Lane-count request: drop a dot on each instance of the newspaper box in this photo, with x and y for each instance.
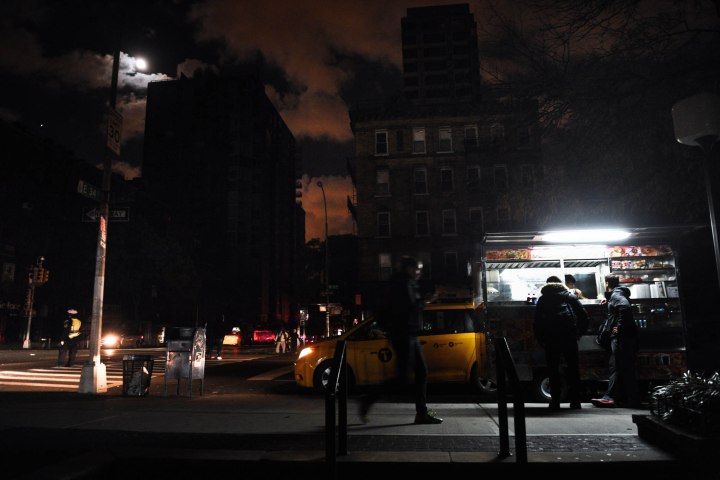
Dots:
(186, 357)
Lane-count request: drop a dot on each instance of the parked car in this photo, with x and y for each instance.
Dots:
(263, 336)
(453, 344)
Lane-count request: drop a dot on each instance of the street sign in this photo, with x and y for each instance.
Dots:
(115, 215)
(114, 131)
(90, 191)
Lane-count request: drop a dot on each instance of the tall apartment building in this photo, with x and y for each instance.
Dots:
(431, 177)
(220, 167)
(440, 53)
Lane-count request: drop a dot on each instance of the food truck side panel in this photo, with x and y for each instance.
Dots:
(505, 272)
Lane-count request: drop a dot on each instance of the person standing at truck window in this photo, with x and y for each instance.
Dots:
(622, 383)
(559, 322)
(572, 286)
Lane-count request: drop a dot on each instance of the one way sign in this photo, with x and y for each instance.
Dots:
(116, 214)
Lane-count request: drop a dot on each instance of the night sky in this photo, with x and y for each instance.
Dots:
(319, 58)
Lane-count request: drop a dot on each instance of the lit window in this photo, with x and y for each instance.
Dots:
(383, 181)
(385, 266)
(419, 140)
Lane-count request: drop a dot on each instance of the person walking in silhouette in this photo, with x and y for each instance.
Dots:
(403, 311)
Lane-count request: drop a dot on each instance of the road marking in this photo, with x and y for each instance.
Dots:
(273, 374)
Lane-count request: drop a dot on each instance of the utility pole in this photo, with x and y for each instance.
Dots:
(94, 374)
(327, 266)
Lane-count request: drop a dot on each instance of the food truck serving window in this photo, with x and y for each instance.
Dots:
(518, 274)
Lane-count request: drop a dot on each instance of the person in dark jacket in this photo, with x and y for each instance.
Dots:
(560, 320)
(622, 384)
(404, 306)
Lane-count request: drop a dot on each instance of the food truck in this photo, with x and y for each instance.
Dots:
(511, 268)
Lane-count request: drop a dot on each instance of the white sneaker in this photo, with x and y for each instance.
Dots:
(219, 357)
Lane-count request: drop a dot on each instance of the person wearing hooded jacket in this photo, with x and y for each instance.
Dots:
(622, 383)
(559, 322)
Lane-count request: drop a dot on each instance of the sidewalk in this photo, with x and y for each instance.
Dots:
(73, 436)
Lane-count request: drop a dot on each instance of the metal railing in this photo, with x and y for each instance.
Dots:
(506, 369)
(337, 389)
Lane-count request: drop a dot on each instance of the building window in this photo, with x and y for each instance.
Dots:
(419, 140)
(448, 222)
(385, 266)
(473, 179)
(383, 181)
(445, 140)
(400, 140)
(497, 133)
(446, 180)
(526, 176)
(450, 262)
(381, 142)
(383, 224)
(422, 224)
(424, 257)
(420, 181)
(471, 137)
(503, 218)
(476, 220)
(500, 175)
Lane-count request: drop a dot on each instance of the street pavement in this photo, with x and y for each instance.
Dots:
(81, 436)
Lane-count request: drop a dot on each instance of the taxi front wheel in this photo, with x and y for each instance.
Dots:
(321, 377)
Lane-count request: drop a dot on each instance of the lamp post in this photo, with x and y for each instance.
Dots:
(327, 268)
(697, 123)
(93, 378)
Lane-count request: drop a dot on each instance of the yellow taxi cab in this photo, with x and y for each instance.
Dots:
(452, 340)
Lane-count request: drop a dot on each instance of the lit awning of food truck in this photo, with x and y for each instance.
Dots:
(600, 235)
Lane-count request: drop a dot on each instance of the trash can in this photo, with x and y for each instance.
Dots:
(137, 372)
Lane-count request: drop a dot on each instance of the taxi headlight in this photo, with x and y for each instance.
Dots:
(305, 352)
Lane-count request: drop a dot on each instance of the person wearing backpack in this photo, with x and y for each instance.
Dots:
(559, 322)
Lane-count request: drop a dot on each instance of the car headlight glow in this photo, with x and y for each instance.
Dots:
(110, 340)
(305, 352)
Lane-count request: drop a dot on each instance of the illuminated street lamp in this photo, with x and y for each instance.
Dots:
(327, 268)
(697, 123)
(93, 378)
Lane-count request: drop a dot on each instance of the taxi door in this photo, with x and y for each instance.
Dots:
(370, 355)
(449, 342)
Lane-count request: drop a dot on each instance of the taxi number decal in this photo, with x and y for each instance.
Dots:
(385, 355)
